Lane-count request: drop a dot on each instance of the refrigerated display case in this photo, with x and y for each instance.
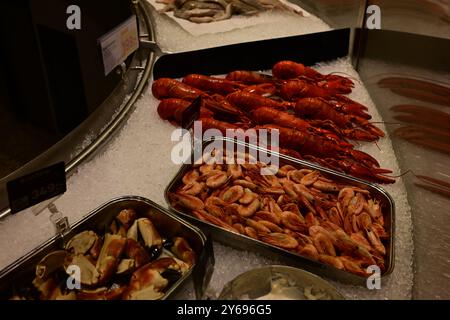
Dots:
(122, 146)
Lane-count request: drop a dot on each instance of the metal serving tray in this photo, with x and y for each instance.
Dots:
(257, 283)
(246, 243)
(22, 272)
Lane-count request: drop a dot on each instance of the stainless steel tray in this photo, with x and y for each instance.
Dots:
(242, 242)
(22, 272)
(257, 283)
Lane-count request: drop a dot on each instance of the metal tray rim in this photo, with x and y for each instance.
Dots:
(274, 267)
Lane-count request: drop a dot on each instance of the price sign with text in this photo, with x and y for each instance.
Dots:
(119, 43)
(29, 190)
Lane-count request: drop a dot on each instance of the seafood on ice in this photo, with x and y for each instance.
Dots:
(316, 120)
(204, 11)
(297, 209)
(131, 261)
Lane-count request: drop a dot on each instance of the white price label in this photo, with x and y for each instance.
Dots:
(119, 43)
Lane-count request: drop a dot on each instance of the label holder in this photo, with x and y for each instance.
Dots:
(34, 188)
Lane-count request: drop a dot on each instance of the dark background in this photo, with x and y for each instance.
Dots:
(51, 78)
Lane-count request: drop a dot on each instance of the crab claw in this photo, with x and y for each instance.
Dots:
(136, 252)
(149, 233)
(102, 293)
(183, 251)
(108, 259)
(126, 266)
(88, 272)
(50, 263)
(126, 217)
(96, 248)
(132, 232)
(46, 288)
(147, 282)
(82, 242)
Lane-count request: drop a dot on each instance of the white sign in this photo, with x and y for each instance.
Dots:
(119, 43)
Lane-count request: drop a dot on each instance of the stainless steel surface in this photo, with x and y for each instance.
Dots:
(426, 17)
(385, 54)
(246, 243)
(258, 282)
(86, 139)
(22, 271)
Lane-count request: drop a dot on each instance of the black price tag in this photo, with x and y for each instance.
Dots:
(204, 268)
(191, 114)
(29, 190)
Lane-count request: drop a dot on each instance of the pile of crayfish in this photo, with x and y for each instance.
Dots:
(298, 209)
(310, 110)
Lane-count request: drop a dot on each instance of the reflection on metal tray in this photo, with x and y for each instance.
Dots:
(279, 283)
(246, 243)
(22, 272)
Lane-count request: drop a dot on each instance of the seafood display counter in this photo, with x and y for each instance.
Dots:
(338, 205)
(255, 22)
